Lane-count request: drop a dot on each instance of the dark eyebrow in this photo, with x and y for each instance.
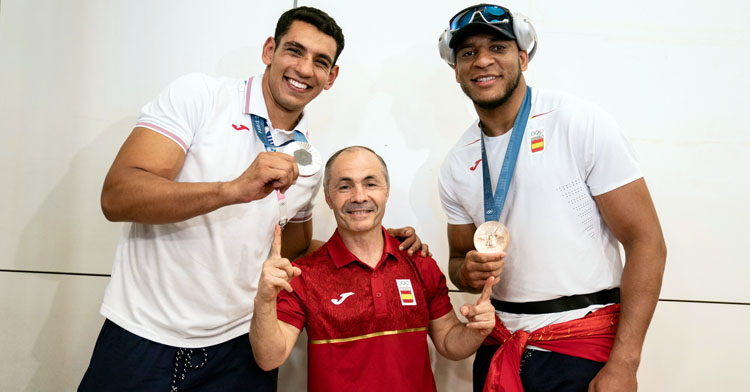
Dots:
(295, 44)
(503, 40)
(493, 41)
(463, 46)
(304, 49)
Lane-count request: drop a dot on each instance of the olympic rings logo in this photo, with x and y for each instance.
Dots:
(538, 132)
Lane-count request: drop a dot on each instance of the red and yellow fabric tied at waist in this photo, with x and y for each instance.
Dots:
(590, 337)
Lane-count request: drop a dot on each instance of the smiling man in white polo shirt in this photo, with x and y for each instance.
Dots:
(203, 186)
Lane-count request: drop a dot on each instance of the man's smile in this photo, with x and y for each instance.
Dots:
(296, 83)
(485, 80)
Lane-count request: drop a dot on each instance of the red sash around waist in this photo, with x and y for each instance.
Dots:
(590, 337)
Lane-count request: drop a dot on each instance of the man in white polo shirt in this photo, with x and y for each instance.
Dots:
(203, 186)
(558, 172)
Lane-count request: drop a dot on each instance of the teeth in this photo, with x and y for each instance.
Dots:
(486, 79)
(297, 84)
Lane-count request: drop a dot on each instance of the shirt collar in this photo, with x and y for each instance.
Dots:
(256, 104)
(341, 256)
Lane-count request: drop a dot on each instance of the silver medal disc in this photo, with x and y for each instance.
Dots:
(491, 237)
(307, 157)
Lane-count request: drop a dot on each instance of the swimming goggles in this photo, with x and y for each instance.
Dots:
(488, 12)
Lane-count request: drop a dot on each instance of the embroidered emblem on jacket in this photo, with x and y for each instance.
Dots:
(406, 292)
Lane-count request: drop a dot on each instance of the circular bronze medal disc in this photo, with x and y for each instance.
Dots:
(491, 237)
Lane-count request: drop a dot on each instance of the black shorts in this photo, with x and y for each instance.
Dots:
(123, 361)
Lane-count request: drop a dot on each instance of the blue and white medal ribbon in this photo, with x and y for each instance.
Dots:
(264, 134)
(492, 236)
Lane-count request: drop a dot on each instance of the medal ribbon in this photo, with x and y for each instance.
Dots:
(259, 124)
(493, 204)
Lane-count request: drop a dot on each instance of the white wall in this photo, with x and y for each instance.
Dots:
(74, 75)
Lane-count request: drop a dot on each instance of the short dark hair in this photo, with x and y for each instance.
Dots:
(315, 17)
(329, 163)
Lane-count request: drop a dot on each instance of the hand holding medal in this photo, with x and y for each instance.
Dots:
(305, 155)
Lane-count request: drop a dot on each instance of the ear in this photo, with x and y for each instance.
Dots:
(268, 48)
(523, 60)
(332, 77)
(455, 70)
(328, 199)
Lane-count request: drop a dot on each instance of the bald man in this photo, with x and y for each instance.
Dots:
(367, 306)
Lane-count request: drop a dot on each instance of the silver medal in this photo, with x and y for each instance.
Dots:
(307, 157)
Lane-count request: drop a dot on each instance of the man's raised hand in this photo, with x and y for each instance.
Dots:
(277, 272)
(481, 315)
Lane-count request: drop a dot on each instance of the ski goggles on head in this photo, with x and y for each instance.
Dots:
(488, 12)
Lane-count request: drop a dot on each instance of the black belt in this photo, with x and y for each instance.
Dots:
(561, 304)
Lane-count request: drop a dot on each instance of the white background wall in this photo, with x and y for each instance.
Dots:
(73, 76)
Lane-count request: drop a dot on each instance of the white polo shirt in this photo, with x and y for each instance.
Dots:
(559, 245)
(192, 283)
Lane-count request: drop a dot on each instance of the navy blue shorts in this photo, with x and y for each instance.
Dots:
(123, 361)
(542, 370)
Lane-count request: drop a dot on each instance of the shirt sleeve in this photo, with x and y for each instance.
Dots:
(179, 110)
(290, 307)
(306, 212)
(454, 210)
(436, 290)
(610, 161)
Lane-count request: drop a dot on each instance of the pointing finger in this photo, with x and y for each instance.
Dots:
(486, 290)
(276, 244)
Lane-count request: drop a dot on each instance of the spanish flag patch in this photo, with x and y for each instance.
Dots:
(406, 292)
(537, 143)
